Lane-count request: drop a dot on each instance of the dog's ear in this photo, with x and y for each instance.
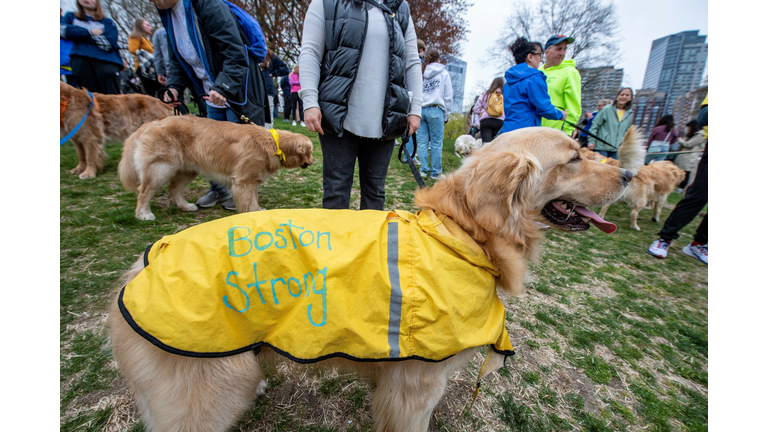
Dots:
(498, 194)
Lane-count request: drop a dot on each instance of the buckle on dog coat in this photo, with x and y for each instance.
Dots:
(315, 284)
(279, 153)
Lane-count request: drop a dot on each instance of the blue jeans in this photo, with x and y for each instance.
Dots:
(220, 114)
(613, 155)
(430, 139)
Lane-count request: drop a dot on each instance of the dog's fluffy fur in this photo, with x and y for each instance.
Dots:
(631, 152)
(176, 149)
(651, 186)
(465, 145)
(120, 116)
(496, 196)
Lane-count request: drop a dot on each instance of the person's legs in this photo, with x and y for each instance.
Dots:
(301, 107)
(436, 130)
(373, 158)
(295, 106)
(422, 138)
(83, 71)
(339, 155)
(108, 75)
(271, 101)
(690, 206)
(486, 133)
(218, 193)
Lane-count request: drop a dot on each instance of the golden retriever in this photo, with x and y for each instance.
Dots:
(176, 149)
(465, 145)
(112, 117)
(651, 186)
(496, 196)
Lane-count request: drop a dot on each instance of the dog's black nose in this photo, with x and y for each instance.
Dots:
(627, 176)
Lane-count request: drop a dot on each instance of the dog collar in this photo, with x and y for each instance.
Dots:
(279, 153)
(603, 161)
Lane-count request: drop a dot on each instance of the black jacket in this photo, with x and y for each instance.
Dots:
(236, 74)
(346, 22)
(276, 68)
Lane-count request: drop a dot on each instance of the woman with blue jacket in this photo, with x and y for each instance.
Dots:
(95, 60)
(526, 99)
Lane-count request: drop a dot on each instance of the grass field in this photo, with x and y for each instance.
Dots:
(607, 337)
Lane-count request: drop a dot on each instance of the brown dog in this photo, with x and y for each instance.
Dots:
(496, 196)
(176, 149)
(111, 117)
(651, 186)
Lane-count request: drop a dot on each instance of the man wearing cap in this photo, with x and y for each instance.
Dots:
(563, 82)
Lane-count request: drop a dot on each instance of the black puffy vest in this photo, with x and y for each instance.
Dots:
(346, 22)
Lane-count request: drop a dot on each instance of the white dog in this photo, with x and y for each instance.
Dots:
(466, 144)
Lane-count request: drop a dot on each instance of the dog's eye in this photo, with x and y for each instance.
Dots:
(575, 159)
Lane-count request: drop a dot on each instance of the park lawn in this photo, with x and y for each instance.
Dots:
(608, 338)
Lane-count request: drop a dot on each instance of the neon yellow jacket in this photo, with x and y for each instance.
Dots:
(564, 86)
(314, 284)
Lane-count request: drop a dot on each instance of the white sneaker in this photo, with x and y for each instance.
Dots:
(699, 252)
(294, 123)
(659, 248)
(303, 124)
(416, 161)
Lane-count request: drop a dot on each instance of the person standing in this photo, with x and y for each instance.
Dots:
(359, 102)
(211, 58)
(689, 207)
(662, 136)
(94, 58)
(526, 99)
(272, 67)
(563, 82)
(492, 100)
(160, 41)
(297, 105)
(611, 124)
(695, 142)
(437, 94)
(285, 86)
(144, 55)
(589, 118)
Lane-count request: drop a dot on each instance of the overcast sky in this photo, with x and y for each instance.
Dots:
(640, 22)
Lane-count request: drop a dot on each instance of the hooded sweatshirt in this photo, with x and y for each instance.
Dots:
(564, 85)
(526, 99)
(437, 89)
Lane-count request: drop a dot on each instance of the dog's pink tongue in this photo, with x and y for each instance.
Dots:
(596, 220)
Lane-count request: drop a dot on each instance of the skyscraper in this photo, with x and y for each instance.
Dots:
(457, 70)
(676, 65)
(599, 83)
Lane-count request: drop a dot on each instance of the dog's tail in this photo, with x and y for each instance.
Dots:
(631, 151)
(126, 169)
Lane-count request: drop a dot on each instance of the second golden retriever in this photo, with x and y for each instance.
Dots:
(111, 117)
(176, 149)
(496, 197)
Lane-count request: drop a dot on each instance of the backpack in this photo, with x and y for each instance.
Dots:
(252, 29)
(495, 105)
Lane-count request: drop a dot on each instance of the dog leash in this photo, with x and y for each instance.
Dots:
(178, 107)
(77, 128)
(409, 158)
(584, 131)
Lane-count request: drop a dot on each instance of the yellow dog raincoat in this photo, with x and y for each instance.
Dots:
(314, 284)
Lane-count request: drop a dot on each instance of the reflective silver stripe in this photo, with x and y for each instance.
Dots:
(396, 296)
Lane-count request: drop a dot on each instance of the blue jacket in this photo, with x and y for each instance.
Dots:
(84, 43)
(65, 46)
(588, 125)
(285, 86)
(526, 99)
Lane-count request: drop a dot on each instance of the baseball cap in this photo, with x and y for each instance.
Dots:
(554, 40)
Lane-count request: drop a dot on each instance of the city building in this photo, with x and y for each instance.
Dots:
(599, 83)
(687, 107)
(648, 107)
(457, 70)
(676, 65)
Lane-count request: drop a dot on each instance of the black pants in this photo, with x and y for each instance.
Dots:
(150, 86)
(297, 102)
(339, 155)
(96, 75)
(690, 206)
(489, 128)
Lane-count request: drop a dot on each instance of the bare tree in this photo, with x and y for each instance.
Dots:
(592, 23)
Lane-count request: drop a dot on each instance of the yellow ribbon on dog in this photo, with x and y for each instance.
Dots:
(279, 153)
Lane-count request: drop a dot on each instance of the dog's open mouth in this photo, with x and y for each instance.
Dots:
(570, 217)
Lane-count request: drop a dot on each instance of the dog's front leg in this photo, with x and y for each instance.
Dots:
(246, 196)
(80, 158)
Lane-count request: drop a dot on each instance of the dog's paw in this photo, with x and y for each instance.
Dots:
(87, 174)
(77, 170)
(655, 219)
(188, 207)
(261, 389)
(636, 228)
(145, 217)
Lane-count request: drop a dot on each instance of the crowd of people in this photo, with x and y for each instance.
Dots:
(358, 103)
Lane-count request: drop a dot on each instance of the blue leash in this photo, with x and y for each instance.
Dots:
(77, 128)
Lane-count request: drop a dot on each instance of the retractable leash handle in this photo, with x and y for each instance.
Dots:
(409, 158)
